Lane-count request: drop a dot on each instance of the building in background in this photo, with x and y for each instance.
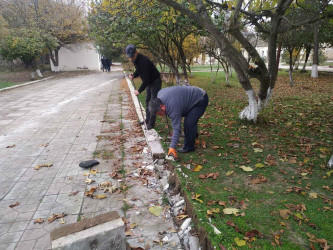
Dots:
(79, 56)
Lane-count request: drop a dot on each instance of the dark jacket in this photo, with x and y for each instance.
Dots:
(146, 70)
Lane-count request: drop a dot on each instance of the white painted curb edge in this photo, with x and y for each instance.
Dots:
(25, 84)
(152, 137)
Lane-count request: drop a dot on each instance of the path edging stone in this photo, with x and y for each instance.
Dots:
(105, 231)
(151, 135)
(25, 84)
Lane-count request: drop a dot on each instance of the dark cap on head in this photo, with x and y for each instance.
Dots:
(130, 50)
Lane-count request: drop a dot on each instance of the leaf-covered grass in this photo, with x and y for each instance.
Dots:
(288, 150)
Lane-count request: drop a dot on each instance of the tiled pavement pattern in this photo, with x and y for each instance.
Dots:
(63, 122)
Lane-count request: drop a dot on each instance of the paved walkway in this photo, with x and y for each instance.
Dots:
(63, 122)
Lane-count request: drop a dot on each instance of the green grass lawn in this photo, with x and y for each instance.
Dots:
(286, 201)
(6, 84)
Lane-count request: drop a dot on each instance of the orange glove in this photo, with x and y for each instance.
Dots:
(172, 151)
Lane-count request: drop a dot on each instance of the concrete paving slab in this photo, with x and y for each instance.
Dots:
(81, 117)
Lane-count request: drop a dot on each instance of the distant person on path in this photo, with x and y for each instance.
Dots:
(108, 63)
(150, 76)
(177, 102)
(103, 61)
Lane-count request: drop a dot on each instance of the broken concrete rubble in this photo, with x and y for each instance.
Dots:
(176, 201)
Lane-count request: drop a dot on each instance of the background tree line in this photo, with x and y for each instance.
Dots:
(162, 27)
(174, 33)
(32, 28)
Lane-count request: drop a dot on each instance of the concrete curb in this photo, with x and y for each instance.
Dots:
(106, 231)
(152, 137)
(25, 84)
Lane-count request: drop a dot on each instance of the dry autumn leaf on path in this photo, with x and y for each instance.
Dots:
(93, 171)
(89, 181)
(39, 221)
(46, 165)
(100, 196)
(90, 192)
(56, 216)
(156, 210)
(74, 193)
(14, 204)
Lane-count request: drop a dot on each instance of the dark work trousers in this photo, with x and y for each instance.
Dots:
(152, 91)
(191, 122)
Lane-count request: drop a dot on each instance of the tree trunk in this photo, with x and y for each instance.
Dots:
(307, 54)
(54, 56)
(278, 54)
(296, 62)
(227, 77)
(291, 68)
(314, 72)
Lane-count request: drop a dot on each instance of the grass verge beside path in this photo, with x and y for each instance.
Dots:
(271, 176)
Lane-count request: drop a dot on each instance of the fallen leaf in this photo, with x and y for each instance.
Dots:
(85, 174)
(329, 173)
(284, 213)
(257, 150)
(46, 165)
(215, 210)
(203, 143)
(223, 203)
(231, 210)
(299, 216)
(74, 193)
(246, 169)
(14, 204)
(282, 223)
(181, 216)
(39, 221)
(259, 165)
(197, 168)
(90, 192)
(62, 221)
(93, 171)
(12, 146)
(253, 233)
(155, 210)
(240, 242)
(230, 172)
(313, 195)
(89, 181)
(259, 179)
(56, 216)
(100, 196)
(129, 233)
(196, 197)
(132, 226)
(222, 247)
(229, 223)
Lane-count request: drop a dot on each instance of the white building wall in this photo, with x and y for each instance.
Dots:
(77, 57)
